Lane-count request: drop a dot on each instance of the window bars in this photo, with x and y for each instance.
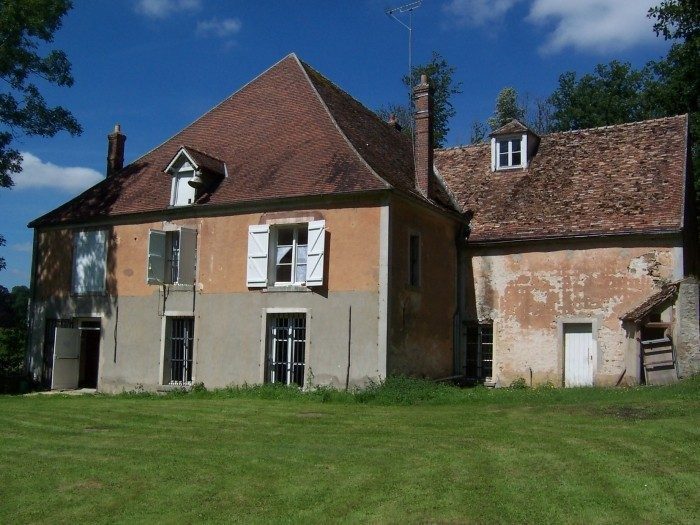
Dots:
(286, 348)
(181, 350)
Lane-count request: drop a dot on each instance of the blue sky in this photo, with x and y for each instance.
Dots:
(156, 65)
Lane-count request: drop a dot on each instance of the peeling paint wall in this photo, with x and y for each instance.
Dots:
(529, 290)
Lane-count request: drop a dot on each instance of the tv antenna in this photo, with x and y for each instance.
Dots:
(408, 8)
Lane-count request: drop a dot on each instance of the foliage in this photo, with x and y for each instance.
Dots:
(490, 456)
(13, 333)
(440, 73)
(613, 94)
(518, 384)
(26, 26)
(507, 108)
(479, 132)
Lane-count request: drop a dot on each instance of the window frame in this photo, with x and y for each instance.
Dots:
(479, 344)
(183, 174)
(510, 140)
(174, 259)
(273, 265)
(102, 287)
(190, 350)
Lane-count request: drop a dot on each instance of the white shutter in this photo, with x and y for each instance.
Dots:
(315, 254)
(89, 261)
(258, 242)
(187, 265)
(155, 272)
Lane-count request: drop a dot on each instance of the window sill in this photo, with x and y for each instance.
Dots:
(510, 168)
(287, 288)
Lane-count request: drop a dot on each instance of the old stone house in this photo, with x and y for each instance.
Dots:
(289, 235)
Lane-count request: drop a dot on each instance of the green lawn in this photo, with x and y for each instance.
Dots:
(462, 456)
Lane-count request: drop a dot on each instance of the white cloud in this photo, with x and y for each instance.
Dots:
(219, 27)
(593, 25)
(478, 12)
(163, 8)
(38, 174)
(24, 247)
(584, 25)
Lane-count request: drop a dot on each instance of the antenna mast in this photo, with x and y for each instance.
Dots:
(408, 8)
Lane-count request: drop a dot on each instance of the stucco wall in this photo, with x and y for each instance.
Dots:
(529, 290)
(421, 319)
(229, 318)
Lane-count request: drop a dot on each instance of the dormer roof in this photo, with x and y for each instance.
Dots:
(514, 127)
(199, 161)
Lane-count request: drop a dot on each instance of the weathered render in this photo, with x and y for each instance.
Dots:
(287, 151)
(592, 224)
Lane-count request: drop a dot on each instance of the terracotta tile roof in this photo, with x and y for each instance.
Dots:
(668, 292)
(287, 133)
(206, 162)
(628, 178)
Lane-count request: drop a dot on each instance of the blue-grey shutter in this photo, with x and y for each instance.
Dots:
(155, 272)
(187, 265)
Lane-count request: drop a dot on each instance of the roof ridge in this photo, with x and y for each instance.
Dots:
(347, 140)
(621, 125)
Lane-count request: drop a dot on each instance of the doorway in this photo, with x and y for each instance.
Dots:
(579, 354)
(89, 353)
(76, 354)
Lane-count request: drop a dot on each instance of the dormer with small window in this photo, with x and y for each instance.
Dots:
(194, 174)
(513, 146)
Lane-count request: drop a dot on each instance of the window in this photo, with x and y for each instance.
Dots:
(89, 261)
(286, 348)
(172, 256)
(286, 254)
(290, 254)
(414, 260)
(179, 351)
(479, 351)
(509, 153)
(182, 193)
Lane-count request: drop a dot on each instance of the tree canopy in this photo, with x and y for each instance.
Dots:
(25, 27)
(507, 108)
(441, 76)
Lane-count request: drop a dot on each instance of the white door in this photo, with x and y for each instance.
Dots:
(66, 359)
(579, 354)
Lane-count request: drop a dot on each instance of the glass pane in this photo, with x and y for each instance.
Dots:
(301, 254)
(516, 158)
(502, 146)
(302, 235)
(284, 255)
(285, 236)
(301, 273)
(515, 145)
(284, 273)
(503, 159)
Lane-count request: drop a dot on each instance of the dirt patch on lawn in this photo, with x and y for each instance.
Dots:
(633, 412)
(83, 485)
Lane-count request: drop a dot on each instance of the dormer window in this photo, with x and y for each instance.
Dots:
(194, 175)
(513, 146)
(509, 153)
(182, 192)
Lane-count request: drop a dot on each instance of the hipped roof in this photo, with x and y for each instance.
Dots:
(288, 133)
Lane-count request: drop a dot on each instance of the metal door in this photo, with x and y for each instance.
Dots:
(66, 359)
(579, 354)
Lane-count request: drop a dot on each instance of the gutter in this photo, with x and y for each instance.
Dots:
(519, 240)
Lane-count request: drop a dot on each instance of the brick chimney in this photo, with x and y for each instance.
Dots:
(115, 150)
(423, 146)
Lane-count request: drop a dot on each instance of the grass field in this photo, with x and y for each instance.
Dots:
(403, 453)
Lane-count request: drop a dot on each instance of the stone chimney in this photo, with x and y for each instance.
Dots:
(423, 146)
(115, 150)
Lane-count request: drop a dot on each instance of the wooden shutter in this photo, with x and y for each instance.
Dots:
(315, 254)
(155, 272)
(258, 242)
(187, 265)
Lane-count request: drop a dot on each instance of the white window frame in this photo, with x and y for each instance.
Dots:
(496, 152)
(273, 264)
(265, 314)
(78, 286)
(183, 175)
